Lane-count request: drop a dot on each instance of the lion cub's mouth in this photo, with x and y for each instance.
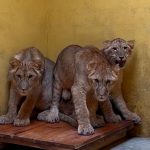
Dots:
(102, 98)
(23, 93)
(121, 63)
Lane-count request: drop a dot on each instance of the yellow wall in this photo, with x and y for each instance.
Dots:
(93, 21)
(50, 25)
(22, 24)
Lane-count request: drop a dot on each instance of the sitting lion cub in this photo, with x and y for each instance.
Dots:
(30, 75)
(84, 71)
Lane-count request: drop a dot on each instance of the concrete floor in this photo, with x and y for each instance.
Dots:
(135, 143)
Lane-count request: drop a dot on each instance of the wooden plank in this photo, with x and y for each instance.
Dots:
(12, 130)
(61, 135)
(32, 144)
(100, 143)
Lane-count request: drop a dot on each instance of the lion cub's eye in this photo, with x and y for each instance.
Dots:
(96, 80)
(114, 48)
(30, 76)
(108, 82)
(18, 76)
(125, 47)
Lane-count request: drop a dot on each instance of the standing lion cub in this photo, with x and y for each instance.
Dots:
(83, 70)
(30, 76)
(117, 52)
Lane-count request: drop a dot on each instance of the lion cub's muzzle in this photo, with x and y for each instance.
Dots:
(102, 97)
(101, 93)
(24, 88)
(121, 62)
(23, 92)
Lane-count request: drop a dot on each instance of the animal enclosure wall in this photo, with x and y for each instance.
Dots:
(50, 25)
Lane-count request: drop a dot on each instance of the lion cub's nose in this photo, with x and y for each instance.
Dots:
(24, 86)
(121, 57)
(24, 89)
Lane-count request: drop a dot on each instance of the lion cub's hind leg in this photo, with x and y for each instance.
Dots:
(43, 116)
(52, 115)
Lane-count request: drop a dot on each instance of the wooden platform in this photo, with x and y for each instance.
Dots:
(61, 136)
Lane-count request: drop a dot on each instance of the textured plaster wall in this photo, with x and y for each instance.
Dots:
(50, 25)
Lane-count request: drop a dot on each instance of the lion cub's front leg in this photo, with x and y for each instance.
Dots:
(12, 108)
(92, 104)
(23, 117)
(122, 107)
(118, 100)
(81, 110)
(97, 121)
(108, 112)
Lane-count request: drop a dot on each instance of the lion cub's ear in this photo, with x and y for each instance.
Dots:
(13, 66)
(91, 67)
(14, 63)
(112, 76)
(38, 65)
(106, 43)
(131, 43)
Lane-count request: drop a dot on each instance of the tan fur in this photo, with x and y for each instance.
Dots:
(83, 70)
(30, 76)
(117, 52)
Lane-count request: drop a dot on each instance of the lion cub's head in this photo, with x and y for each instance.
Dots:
(26, 69)
(102, 76)
(118, 50)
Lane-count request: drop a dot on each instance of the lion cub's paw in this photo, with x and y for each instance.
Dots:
(4, 119)
(133, 117)
(97, 122)
(21, 122)
(53, 117)
(85, 129)
(113, 118)
(49, 116)
(43, 115)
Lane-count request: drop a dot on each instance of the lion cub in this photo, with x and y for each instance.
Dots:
(84, 71)
(117, 53)
(30, 75)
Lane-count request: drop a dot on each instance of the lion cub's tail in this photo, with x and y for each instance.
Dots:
(68, 119)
